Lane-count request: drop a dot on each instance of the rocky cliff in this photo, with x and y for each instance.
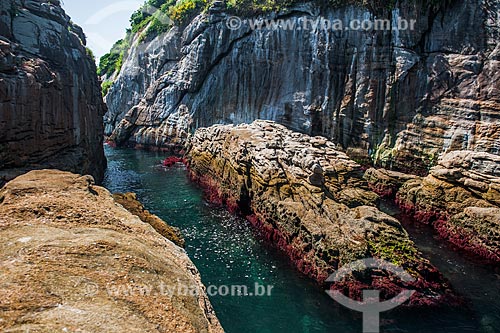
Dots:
(310, 201)
(401, 98)
(74, 260)
(50, 102)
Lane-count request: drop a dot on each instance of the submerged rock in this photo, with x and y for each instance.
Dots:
(310, 200)
(51, 106)
(172, 160)
(73, 259)
(461, 199)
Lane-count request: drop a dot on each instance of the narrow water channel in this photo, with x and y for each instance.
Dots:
(228, 252)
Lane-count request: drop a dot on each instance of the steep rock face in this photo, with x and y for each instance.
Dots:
(402, 98)
(310, 201)
(50, 102)
(461, 199)
(73, 259)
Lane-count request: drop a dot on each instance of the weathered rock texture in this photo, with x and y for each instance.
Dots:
(72, 259)
(51, 107)
(402, 98)
(311, 202)
(129, 202)
(461, 199)
(386, 183)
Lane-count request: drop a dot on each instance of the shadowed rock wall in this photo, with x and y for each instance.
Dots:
(50, 101)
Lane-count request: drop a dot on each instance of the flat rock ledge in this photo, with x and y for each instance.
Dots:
(73, 260)
(461, 199)
(310, 201)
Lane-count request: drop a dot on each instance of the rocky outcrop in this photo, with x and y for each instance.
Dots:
(461, 199)
(51, 107)
(386, 183)
(309, 200)
(399, 97)
(73, 259)
(129, 202)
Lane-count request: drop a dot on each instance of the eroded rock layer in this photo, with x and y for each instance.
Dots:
(129, 202)
(51, 106)
(386, 183)
(73, 259)
(401, 98)
(461, 199)
(309, 200)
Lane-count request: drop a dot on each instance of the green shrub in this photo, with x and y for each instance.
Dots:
(90, 53)
(251, 7)
(144, 15)
(112, 62)
(106, 85)
(185, 10)
(254, 7)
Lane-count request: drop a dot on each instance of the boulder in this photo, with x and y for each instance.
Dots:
(386, 183)
(73, 259)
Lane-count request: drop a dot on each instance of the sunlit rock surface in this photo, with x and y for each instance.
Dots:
(310, 201)
(461, 199)
(73, 259)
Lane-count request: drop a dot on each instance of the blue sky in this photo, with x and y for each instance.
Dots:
(104, 21)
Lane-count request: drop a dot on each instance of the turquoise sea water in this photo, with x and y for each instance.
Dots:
(227, 251)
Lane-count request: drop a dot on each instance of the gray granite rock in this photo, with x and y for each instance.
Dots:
(400, 98)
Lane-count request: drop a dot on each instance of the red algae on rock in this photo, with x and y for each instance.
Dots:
(311, 202)
(110, 143)
(386, 183)
(172, 160)
(460, 198)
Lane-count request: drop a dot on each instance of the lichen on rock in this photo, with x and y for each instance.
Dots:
(461, 199)
(72, 258)
(309, 200)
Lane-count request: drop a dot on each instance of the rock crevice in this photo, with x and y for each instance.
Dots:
(461, 199)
